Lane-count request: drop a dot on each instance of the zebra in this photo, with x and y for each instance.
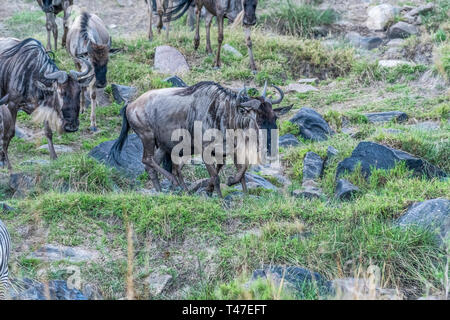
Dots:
(5, 245)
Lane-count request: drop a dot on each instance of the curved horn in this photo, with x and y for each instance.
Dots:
(4, 100)
(60, 76)
(87, 68)
(239, 97)
(281, 96)
(265, 90)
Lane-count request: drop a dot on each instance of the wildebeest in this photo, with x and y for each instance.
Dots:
(51, 9)
(266, 118)
(155, 115)
(160, 7)
(221, 9)
(5, 248)
(39, 88)
(89, 38)
(7, 131)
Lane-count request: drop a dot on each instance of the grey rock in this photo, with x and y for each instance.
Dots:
(158, 283)
(58, 148)
(367, 43)
(371, 154)
(392, 63)
(297, 278)
(312, 125)
(433, 215)
(232, 50)
(312, 166)
(57, 290)
(288, 140)
(176, 81)
(344, 189)
(170, 60)
(33, 162)
(427, 126)
(395, 43)
(123, 93)
(422, 9)
(308, 80)
(402, 30)
(379, 16)
(130, 160)
(259, 181)
(331, 152)
(300, 88)
(398, 116)
(22, 184)
(23, 133)
(309, 190)
(50, 252)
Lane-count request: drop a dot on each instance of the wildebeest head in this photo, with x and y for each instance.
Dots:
(249, 12)
(47, 6)
(61, 104)
(266, 116)
(99, 56)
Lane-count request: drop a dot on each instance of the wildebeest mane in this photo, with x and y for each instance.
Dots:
(211, 85)
(84, 24)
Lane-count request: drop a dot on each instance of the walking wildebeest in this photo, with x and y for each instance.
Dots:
(266, 118)
(89, 38)
(51, 9)
(36, 86)
(160, 6)
(155, 115)
(221, 9)
(7, 131)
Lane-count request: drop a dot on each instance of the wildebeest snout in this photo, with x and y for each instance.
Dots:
(71, 126)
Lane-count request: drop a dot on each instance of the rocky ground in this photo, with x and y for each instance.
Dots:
(357, 207)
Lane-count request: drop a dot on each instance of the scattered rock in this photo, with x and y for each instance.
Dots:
(130, 159)
(309, 190)
(22, 184)
(397, 116)
(427, 126)
(23, 133)
(50, 252)
(58, 148)
(402, 30)
(299, 88)
(170, 60)
(123, 93)
(288, 140)
(176, 82)
(422, 9)
(379, 16)
(311, 124)
(33, 162)
(367, 43)
(331, 152)
(57, 290)
(371, 154)
(256, 181)
(433, 215)
(272, 170)
(294, 278)
(158, 283)
(308, 81)
(396, 43)
(312, 166)
(232, 50)
(345, 190)
(393, 63)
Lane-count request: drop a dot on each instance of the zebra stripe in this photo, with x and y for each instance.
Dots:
(5, 245)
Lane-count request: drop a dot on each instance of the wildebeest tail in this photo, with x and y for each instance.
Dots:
(178, 10)
(116, 149)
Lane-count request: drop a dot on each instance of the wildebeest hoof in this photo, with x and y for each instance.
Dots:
(254, 72)
(93, 129)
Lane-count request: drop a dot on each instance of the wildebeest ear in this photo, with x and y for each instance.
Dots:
(282, 110)
(113, 51)
(85, 82)
(251, 104)
(43, 87)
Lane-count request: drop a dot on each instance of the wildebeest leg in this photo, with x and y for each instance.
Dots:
(220, 19)
(49, 136)
(197, 25)
(168, 20)
(150, 13)
(65, 6)
(208, 20)
(248, 41)
(191, 17)
(93, 96)
(215, 179)
(49, 27)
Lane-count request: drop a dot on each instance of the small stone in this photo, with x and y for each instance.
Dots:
(232, 50)
(170, 60)
(402, 30)
(393, 63)
(58, 148)
(344, 189)
(300, 88)
(396, 43)
(33, 162)
(331, 152)
(288, 140)
(308, 80)
(312, 125)
(158, 283)
(123, 93)
(22, 184)
(51, 252)
(398, 116)
(422, 9)
(312, 166)
(309, 190)
(379, 16)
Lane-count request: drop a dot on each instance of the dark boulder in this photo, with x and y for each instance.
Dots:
(312, 166)
(123, 93)
(402, 30)
(300, 279)
(371, 154)
(288, 140)
(312, 125)
(345, 190)
(176, 81)
(397, 116)
(130, 160)
(432, 215)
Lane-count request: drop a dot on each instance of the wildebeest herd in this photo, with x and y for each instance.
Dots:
(30, 81)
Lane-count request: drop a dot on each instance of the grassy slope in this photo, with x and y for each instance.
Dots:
(206, 247)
